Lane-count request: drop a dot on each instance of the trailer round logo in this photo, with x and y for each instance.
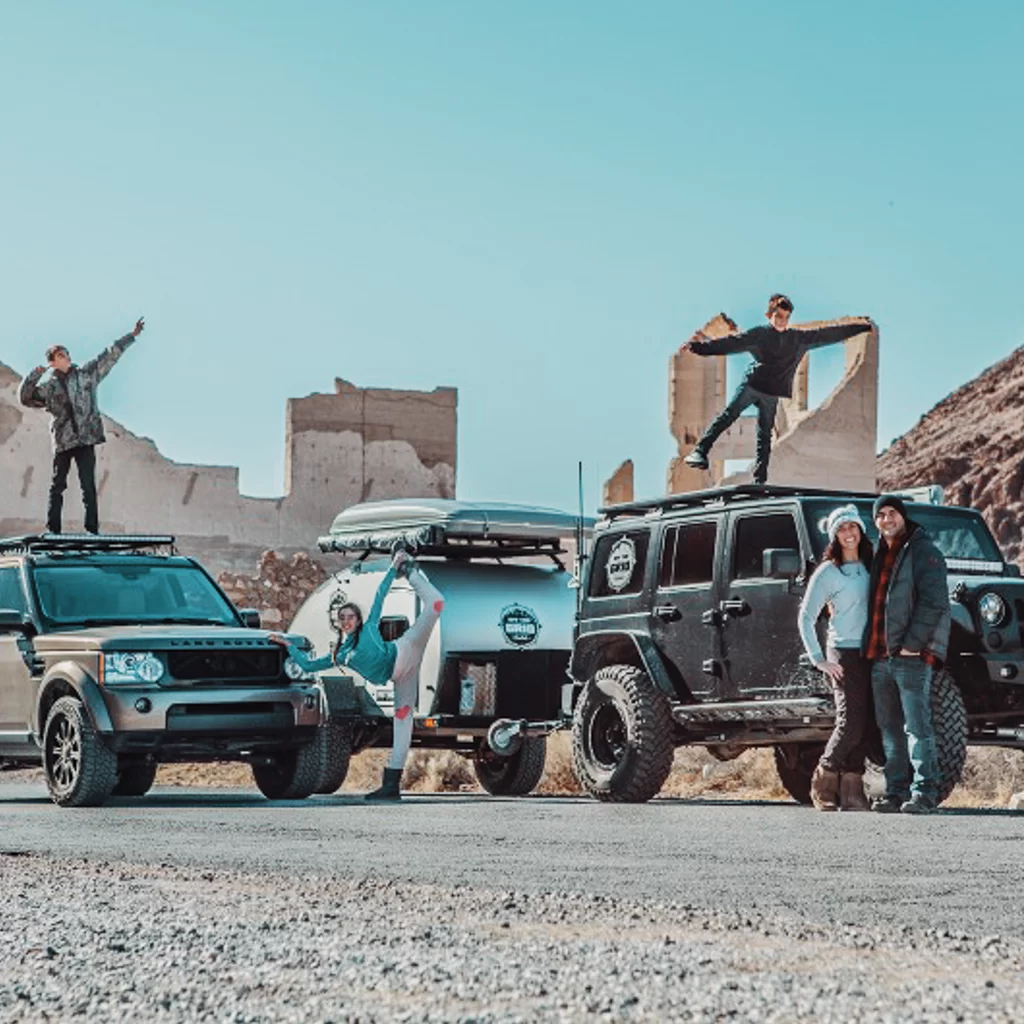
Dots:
(621, 563)
(520, 625)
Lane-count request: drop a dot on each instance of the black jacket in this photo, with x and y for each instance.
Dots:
(777, 354)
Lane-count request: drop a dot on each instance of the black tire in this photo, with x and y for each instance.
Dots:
(334, 741)
(622, 736)
(291, 775)
(949, 719)
(512, 776)
(81, 770)
(795, 764)
(134, 778)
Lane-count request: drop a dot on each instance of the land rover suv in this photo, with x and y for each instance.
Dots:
(687, 635)
(117, 654)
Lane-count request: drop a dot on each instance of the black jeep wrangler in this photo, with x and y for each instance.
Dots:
(117, 654)
(687, 635)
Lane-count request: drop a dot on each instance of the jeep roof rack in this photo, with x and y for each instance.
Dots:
(84, 542)
(724, 495)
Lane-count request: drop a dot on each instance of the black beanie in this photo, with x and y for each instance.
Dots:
(890, 501)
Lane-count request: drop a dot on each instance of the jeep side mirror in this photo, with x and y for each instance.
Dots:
(1012, 569)
(781, 563)
(12, 621)
(250, 618)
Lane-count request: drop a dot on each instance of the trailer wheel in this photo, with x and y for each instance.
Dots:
(516, 775)
(622, 736)
(795, 764)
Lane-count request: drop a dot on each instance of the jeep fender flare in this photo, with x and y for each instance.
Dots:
(593, 651)
(69, 679)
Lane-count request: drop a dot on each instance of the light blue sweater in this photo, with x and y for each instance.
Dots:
(845, 591)
(372, 656)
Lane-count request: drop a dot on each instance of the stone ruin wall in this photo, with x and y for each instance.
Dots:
(357, 444)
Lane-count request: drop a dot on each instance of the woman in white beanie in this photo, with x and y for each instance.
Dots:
(840, 583)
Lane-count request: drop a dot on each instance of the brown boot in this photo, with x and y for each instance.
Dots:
(825, 789)
(851, 793)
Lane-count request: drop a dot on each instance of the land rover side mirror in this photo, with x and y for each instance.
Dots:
(12, 621)
(250, 618)
(781, 563)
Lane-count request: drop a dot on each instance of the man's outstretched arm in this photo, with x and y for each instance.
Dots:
(815, 337)
(104, 362)
(700, 344)
(29, 393)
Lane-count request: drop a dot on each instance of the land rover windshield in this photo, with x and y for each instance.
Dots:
(960, 534)
(129, 592)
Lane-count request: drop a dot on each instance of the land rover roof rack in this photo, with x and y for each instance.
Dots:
(724, 495)
(84, 542)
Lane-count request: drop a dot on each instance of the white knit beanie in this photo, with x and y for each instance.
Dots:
(838, 516)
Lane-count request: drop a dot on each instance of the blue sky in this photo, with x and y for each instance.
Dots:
(535, 202)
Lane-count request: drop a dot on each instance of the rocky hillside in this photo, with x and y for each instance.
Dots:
(972, 443)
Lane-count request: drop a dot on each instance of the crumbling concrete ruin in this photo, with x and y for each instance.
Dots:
(357, 444)
(832, 445)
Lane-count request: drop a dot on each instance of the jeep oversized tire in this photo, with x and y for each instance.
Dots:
(512, 776)
(81, 770)
(949, 718)
(290, 775)
(134, 778)
(622, 736)
(334, 740)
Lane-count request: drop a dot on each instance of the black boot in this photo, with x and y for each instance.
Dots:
(389, 787)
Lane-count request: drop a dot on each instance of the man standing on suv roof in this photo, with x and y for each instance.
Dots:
(777, 349)
(69, 396)
(906, 638)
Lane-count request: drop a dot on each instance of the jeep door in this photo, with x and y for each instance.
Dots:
(759, 615)
(17, 687)
(684, 621)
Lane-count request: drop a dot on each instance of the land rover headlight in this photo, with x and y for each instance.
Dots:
(295, 672)
(132, 667)
(992, 608)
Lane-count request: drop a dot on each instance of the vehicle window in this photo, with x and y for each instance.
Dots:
(96, 594)
(12, 597)
(391, 627)
(618, 564)
(688, 554)
(754, 535)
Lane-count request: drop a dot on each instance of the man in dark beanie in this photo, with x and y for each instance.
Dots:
(69, 396)
(906, 639)
(777, 349)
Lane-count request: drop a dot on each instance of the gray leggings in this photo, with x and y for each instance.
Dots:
(406, 675)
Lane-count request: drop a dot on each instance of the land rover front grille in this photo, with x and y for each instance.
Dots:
(244, 664)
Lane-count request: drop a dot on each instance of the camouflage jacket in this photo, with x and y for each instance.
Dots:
(70, 398)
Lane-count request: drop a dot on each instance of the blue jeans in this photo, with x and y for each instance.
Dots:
(903, 690)
(745, 397)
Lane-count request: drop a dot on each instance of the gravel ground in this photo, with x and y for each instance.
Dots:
(122, 942)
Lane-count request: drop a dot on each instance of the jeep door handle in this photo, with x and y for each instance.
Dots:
(668, 613)
(734, 606)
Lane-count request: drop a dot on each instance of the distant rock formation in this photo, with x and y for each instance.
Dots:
(277, 588)
(972, 443)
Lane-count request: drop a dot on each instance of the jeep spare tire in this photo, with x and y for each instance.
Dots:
(515, 775)
(622, 736)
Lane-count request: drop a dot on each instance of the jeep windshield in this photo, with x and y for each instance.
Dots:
(101, 593)
(960, 534)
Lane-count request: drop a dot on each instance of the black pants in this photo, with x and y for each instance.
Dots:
(855, 714)
(745, 397)
(85, 459)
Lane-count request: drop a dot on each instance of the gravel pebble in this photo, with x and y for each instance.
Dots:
(119, 942)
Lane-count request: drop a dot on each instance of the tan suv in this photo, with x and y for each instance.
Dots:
(116, 654)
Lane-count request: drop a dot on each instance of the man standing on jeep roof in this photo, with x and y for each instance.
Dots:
(906, 638)
(777, 349)
(69, 396)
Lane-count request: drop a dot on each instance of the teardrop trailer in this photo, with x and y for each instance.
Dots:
(493, 682)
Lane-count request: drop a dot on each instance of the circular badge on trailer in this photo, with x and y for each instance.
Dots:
(520, 625)
(621, 564)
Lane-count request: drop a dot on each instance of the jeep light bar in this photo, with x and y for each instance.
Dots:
(84, 542)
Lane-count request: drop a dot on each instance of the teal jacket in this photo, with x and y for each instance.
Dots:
(371, 656)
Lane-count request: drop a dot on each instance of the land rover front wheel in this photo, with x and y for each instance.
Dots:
(291, 774)
(81, 770)
(516, 775)
(622, 742)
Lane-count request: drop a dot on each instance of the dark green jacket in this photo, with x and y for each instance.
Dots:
(917, 612)
(70, 398)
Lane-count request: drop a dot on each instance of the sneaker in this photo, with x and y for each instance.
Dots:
(888, 805)
(697, 459)
(918, 805)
